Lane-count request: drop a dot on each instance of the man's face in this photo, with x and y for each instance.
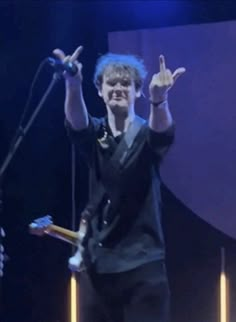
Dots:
(118, 91)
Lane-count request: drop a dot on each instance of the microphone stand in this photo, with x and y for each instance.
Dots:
(18, 141)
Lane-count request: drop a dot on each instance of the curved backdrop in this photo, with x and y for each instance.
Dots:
(200, 167)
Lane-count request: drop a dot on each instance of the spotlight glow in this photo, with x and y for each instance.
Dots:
(224, 291)
(73, 298)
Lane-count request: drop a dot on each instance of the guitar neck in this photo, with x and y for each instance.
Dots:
(64, 234)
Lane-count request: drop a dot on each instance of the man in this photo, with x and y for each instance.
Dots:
(124, 248)
(2, 234)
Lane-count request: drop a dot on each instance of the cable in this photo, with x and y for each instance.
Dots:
(19, 130)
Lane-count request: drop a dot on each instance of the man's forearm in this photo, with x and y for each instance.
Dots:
(75, 108)
(160, 118)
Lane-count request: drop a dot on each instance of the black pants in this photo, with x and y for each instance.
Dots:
(138, 295)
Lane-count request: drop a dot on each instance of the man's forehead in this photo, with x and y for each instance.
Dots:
(116, 72)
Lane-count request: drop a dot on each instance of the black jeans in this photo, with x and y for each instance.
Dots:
(138, 295)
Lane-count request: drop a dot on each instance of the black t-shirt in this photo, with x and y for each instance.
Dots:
(133, 221)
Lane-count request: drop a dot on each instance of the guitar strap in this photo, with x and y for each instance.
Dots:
(111, 168)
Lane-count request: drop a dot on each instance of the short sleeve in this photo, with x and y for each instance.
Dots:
(84, 139)
(160, 142)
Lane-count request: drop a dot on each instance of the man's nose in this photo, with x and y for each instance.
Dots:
(118, 87)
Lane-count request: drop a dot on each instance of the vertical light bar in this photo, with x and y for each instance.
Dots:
(223, 290)
(73, 298)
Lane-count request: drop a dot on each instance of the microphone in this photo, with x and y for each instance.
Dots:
(59, 66)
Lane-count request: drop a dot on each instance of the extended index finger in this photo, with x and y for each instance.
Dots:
(59, 54)
(76, 53)
(162, 63)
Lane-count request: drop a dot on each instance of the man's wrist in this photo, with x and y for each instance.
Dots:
(157, 103)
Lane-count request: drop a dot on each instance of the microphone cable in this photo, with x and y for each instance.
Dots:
(19, 130)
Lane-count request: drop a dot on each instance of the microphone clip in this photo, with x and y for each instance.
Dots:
(61, 67)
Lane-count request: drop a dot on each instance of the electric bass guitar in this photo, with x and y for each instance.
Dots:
(44, 226)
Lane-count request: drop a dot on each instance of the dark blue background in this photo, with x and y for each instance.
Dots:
(38, 181)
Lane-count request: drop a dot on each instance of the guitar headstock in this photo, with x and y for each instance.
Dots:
(41, 225)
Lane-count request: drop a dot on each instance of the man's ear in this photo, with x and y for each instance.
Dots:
(138, 93)
(100, 92)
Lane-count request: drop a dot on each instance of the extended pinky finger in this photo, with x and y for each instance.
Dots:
(179, 71)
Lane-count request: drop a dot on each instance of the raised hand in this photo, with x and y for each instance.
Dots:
(71, 58)
(163, 81)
